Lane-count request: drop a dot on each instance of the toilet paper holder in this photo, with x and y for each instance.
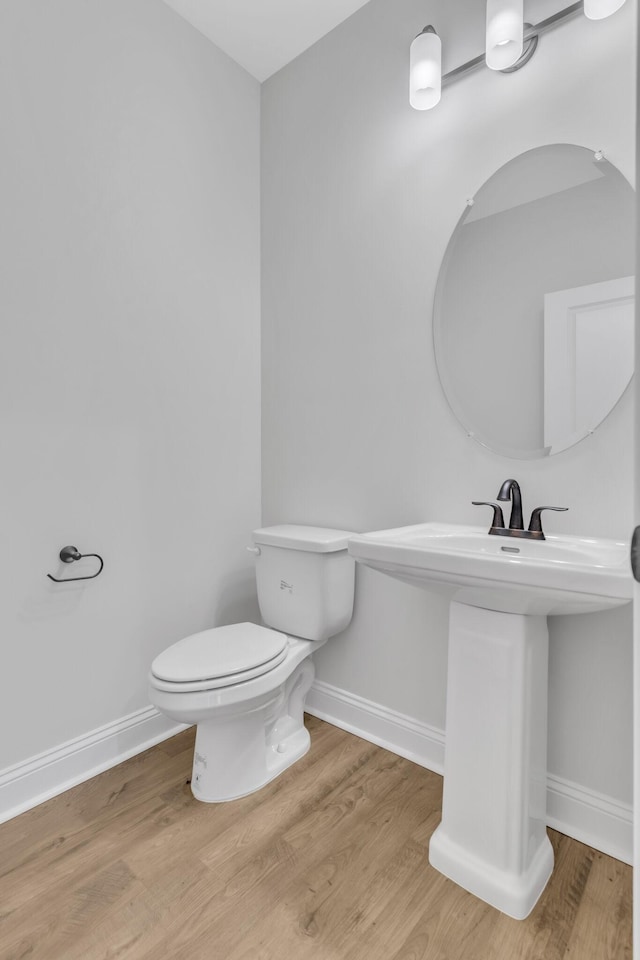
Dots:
(68, 555)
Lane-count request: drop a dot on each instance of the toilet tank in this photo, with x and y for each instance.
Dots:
(305, 580)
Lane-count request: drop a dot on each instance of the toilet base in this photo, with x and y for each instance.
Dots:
(212, 790)
(237, 754)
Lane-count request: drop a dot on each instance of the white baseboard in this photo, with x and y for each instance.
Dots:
(587, 816)
(394, 731)
(25, 785)
(590, 817)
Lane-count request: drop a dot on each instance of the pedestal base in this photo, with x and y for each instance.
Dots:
(515, 894)
(492, 839)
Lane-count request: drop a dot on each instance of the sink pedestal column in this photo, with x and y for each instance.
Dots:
(492, 839)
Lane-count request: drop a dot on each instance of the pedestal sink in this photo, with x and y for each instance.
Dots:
(492, 839)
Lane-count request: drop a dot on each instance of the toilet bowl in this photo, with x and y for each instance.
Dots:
(245, 685)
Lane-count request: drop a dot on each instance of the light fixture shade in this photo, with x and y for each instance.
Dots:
(599, 9)
(505, 32)
(425, 70)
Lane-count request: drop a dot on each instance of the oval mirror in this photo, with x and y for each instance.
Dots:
(534, 305)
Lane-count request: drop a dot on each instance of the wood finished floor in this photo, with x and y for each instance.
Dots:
(328, 862)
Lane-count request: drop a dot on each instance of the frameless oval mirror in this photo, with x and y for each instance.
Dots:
(534, 306)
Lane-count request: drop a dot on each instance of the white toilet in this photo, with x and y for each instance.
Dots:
(245, 685)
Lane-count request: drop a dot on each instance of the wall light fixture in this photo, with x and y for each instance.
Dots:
(505, 33)
(510, 44)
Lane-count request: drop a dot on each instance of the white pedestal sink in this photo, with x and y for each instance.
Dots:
(492, 839)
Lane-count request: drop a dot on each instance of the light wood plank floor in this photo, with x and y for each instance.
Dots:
(328, 862)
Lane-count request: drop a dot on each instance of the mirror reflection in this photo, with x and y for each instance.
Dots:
(534, 307)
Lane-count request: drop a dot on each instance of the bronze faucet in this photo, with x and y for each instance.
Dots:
(510, 490)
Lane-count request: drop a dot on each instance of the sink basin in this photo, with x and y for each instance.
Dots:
(559, 575)
(492, 839)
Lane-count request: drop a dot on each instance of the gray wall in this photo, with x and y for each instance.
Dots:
(129, 373)
(360, 195)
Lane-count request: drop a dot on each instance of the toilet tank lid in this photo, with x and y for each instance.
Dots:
(311, 539)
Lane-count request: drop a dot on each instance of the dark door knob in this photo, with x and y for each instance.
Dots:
(635, 554)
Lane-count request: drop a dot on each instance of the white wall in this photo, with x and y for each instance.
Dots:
(360, 195)
(129, 369)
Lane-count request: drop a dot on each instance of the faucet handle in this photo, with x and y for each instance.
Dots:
(535, 524)
(498, 516)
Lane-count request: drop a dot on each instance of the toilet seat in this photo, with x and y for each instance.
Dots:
(218, 657)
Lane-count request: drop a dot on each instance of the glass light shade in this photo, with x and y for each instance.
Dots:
(599, 9)
(425, 70)
(505, 32)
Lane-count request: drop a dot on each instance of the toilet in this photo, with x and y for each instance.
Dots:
(245, 685)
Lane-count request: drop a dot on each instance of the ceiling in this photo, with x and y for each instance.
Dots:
(264, 35)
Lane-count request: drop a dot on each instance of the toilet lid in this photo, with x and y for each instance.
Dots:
(221, 652)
